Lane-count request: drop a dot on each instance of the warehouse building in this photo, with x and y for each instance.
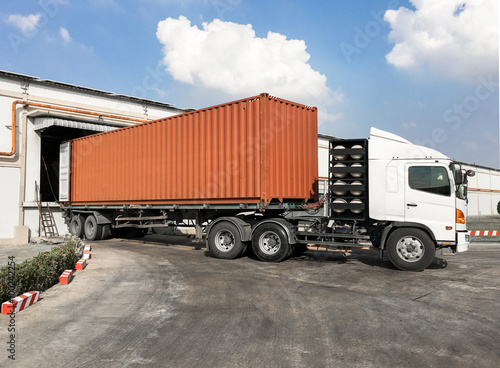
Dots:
(37, 115)
(484, 190)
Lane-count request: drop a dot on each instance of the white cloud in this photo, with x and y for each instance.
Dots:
(160, 91)
(455, 38)
(326, 117)
(65, 35)
(26, 23)
(230, 58)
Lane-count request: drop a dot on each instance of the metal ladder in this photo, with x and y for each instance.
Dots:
(46, 218)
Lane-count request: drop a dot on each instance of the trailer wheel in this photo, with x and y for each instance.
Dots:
(93, 230)
(410, 249)
(270, 243)
(76, 226)
(225, 241)
(106, 231)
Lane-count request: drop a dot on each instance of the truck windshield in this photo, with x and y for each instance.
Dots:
(460, 189)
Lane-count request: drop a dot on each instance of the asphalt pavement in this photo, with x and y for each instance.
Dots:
(166, 302)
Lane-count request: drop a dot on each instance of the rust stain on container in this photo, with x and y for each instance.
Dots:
(253, 150)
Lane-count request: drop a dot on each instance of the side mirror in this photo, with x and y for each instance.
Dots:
(470, 173)
(459, 178)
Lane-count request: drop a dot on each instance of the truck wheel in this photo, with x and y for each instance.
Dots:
(410, 249)
(225, 241)
(76, 226)
(93, 230)
(106, 231)
(270, 243)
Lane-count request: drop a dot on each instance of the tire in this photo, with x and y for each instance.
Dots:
(106, 231)
(270, 243)
(93, 231)
(225, 241)
(410, 249)
(76, 226)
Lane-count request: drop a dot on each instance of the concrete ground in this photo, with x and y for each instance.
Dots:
(164, 301)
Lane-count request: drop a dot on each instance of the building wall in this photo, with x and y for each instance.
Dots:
(484, 190)
(18, 208)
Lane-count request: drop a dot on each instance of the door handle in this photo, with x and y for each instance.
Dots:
(412, 204)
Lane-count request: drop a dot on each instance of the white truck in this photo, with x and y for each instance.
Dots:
(384, 193)
(415, 198)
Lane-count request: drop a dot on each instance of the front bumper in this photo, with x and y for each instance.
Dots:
(463, 240)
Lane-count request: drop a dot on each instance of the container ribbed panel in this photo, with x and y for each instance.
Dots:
(253, 150)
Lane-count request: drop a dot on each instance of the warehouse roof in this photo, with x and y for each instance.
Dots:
(478, 166)
(94, 91)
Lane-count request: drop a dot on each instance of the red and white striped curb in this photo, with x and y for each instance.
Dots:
(86, 252)
(21, 302)
(66, 277)
(81, 264)
(485, 233)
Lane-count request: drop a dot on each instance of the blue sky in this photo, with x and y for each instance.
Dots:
(425, 70)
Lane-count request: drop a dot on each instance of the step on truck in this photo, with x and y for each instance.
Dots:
(245, 174)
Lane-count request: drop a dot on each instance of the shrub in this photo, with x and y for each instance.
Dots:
(42, 271)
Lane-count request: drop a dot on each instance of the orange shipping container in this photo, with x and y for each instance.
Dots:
(253, 150)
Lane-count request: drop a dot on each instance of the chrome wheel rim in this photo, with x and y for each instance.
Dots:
(224, 240)
(410, 249)
(269, 243)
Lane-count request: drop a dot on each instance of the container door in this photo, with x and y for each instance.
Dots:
(64, 170)
(430, 199)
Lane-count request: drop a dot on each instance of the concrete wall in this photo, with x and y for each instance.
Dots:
(19, 215)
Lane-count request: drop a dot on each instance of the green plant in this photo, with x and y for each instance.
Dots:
(42, 271)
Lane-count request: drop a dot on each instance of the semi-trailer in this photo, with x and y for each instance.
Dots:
(245, 174)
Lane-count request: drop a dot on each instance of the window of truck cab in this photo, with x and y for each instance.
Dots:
(430, 179)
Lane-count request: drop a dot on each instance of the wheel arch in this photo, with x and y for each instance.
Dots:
(244, 228)
(287, 227)
(388, 230)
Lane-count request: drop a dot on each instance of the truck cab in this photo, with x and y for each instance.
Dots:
(415, 187)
